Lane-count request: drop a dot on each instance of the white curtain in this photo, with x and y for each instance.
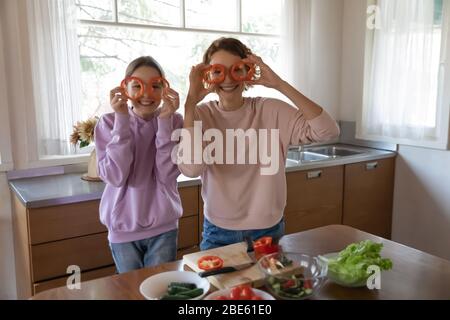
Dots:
(401, 100)
(296, 43)
(55, 64)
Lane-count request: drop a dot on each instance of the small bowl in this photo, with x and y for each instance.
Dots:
(226, 292)
(154, 287)
(293, 276)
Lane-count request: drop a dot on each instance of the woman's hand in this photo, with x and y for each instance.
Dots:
(118, 100)
(171, 102)
(196, 89)
(268, 77)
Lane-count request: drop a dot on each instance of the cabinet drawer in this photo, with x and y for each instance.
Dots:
(189, 200)
(65, 221)
(85, 276)
(50, 260)
(314, 198)
(188, 232)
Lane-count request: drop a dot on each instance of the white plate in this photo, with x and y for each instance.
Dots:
(154, 287)
(226, 292)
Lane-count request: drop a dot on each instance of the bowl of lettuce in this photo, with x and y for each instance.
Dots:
(348, 268)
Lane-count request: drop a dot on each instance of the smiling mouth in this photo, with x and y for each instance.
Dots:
(146, 103)
(229, 88)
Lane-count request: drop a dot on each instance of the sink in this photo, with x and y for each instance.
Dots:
(305, 156)
(333, 151)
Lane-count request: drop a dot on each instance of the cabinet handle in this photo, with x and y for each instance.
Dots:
(314, 174)
(371, 165)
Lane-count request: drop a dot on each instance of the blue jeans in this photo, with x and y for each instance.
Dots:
(214, 236)
(145, 253)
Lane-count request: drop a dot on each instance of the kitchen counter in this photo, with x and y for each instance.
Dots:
(57, 189)
(415, 274)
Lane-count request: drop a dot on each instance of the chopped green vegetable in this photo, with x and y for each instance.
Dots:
(187, 285)
(350, 266)
(182, 291)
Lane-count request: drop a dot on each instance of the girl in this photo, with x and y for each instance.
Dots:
(239, 201)
(140, 205)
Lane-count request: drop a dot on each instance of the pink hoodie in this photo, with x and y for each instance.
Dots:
(238, 196)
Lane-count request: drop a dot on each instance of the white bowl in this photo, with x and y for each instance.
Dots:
(226, 292)
(154, 287)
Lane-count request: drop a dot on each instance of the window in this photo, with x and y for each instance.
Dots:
(112, 33)
(404, 99)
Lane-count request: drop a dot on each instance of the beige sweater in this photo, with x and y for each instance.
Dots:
(238, 196)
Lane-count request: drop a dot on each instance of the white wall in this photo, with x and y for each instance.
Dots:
(326, 54)
(421, 213)
(422, 200)
(354, 23)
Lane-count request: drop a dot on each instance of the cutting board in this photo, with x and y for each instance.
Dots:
(233, 254)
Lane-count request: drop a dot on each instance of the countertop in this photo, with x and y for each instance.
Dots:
(414, 275)
(57, 189)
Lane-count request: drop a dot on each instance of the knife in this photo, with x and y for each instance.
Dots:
(234, 268)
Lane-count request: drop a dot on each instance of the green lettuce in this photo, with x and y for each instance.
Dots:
(350, 266)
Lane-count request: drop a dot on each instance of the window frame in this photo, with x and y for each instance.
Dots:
(182, 27)
(442, 128)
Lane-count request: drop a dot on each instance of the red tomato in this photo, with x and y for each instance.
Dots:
(288, 284)
(256, 298)
(210, 263)
(307, 284)
(235, 293)
(221, 298)
(246, 293)
(262, 242)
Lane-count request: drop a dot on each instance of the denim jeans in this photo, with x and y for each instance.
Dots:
(214, 236)
(145, 253)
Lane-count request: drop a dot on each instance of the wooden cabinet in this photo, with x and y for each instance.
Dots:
(368, 196)
(314, 198)
(48, 240)
(359, 195)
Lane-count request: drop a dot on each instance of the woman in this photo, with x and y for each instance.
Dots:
(240, 200)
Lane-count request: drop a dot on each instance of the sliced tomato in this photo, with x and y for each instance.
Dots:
(221, 298)
(256, 298)
(246, 293)
(288, 284)
(235, 293)
(209, 263)
(307, 284)
(262, 242)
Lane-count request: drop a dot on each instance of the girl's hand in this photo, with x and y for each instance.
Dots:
(196, 89)
(268, 77)
(171, 102)
(118, 100)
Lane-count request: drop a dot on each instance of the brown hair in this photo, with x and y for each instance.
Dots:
(144, 61)
(231, 45)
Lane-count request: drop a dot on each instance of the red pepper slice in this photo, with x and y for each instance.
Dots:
(209, 263)
(264, 246)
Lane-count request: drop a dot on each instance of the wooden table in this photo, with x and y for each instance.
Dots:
(415, 275)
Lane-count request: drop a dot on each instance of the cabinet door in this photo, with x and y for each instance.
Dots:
(368, 195)
(314, 198)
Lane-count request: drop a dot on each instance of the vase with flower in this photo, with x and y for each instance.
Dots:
(83, 135)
